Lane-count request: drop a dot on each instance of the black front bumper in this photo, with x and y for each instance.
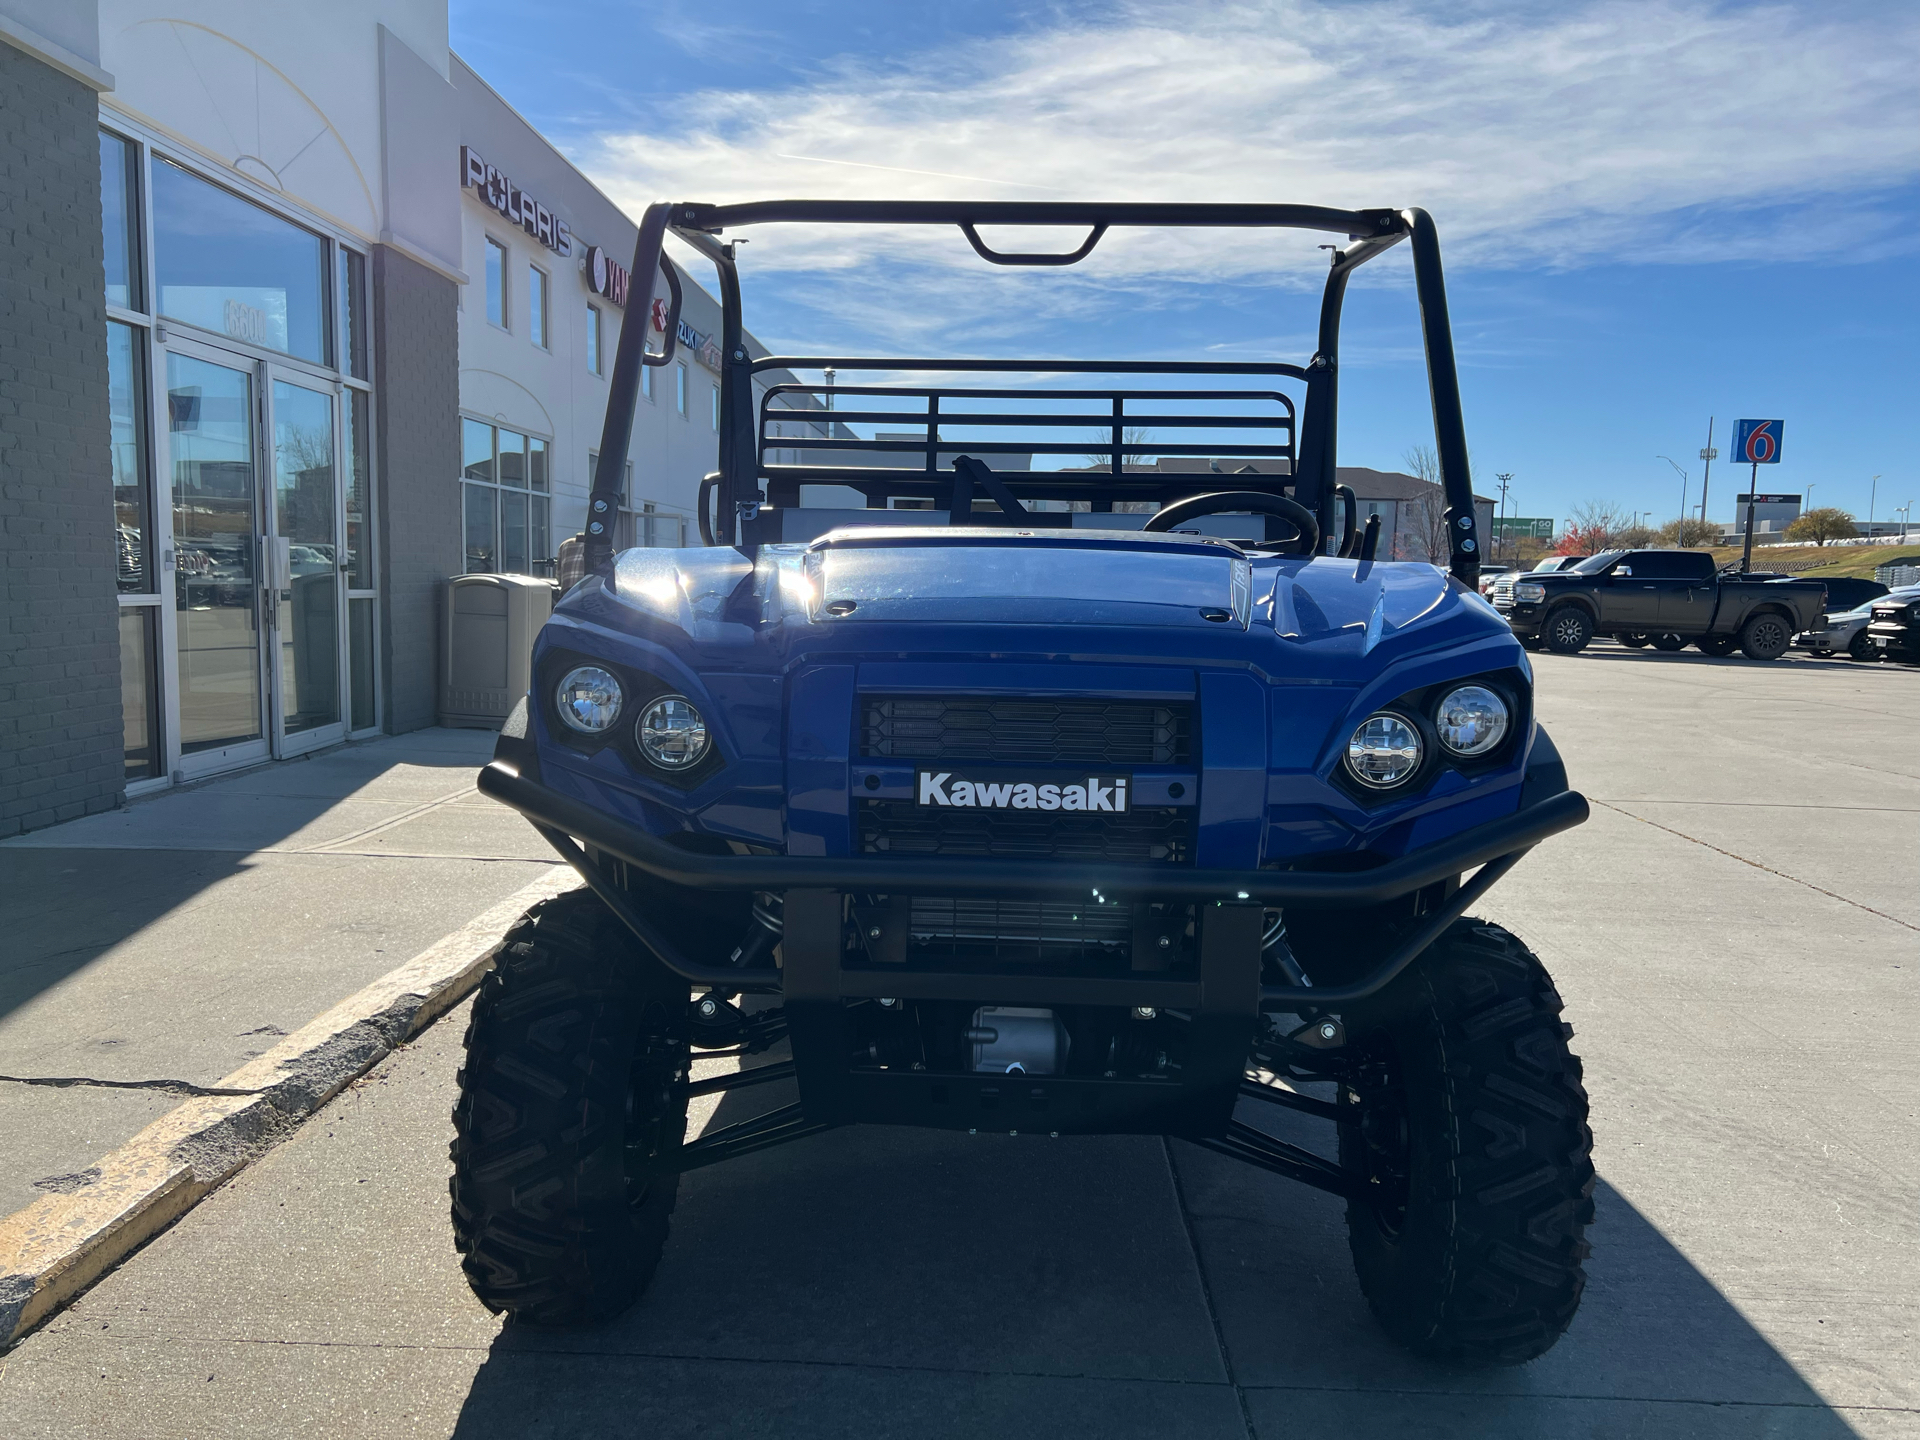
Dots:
(1496, 845)
(1523, 620)
(1221, 996)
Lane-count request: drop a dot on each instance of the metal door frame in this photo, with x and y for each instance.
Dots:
(200, 764)
(286, 746)
(275, 743)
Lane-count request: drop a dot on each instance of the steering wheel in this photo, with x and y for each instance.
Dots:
(1230, 501)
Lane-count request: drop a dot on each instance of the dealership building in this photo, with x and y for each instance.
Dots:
(302, 319)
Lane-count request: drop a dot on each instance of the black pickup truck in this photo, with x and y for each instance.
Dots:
(1663, 597)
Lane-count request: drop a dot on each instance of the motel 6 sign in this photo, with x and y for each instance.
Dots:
(1757, 442)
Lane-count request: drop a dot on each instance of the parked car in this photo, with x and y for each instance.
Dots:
(1503, 584)
(1489, 574)
(1846, 630)
(1894, 627)
(1670, 596)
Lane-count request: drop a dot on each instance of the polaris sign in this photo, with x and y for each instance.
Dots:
(944, 789)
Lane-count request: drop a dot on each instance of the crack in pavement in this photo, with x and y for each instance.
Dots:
(1768, 869)
(165, 1087)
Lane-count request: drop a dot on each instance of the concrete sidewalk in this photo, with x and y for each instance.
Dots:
(157, 948)
(1743, 997)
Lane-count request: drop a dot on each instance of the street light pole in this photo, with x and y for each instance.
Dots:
(1681, 529)
(1872, 495)
(1498, 532)
(1709, 455)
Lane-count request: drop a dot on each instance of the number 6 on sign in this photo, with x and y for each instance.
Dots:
(1757, 442)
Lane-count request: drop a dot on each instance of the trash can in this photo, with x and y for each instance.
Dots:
(487, 654)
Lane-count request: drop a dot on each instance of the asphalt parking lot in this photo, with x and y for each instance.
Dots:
(1736, 933)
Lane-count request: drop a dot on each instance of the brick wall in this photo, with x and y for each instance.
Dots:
(417, 368)
(60, 716)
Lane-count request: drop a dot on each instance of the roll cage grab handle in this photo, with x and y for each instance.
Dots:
(1368, 233)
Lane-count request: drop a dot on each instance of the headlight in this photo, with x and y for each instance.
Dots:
(672, 734)
(1471, 720)
(588, 699)
(1529, 594)
(1384, 751)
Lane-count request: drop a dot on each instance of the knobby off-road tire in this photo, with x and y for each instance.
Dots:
(1474, 1146)
(1765, 637)
(575, 1076)
(1568, 630)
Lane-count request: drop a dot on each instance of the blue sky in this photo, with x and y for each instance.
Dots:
(1652, 211)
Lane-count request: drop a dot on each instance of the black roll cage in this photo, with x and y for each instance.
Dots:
(742, 459)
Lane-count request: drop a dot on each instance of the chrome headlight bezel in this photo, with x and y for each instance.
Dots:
(602, 715)
(672, 734)
(1494, 707)
(1394, 734)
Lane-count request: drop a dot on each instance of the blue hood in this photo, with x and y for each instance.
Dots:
(1321, 607)
(1281, 655)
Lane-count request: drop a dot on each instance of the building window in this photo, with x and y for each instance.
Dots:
(229, 266)
(646, 381)
(593, 339)
(537, 305)
(496, 282)
(350, 281)
(119, 215)
(127, 431)
(716, 409)
(506, 510)
(680, 387)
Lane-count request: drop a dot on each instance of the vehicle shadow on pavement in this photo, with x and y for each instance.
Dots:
(882, 1281)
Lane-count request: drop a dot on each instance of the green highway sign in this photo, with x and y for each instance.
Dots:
(1521, 527)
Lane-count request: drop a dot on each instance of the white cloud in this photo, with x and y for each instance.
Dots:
(1556, 135)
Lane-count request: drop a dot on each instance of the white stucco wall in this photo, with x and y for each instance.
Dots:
(549, 392)
(290, 96)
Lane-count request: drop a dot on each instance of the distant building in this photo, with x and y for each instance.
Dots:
(1772, 514)
(1412, 511)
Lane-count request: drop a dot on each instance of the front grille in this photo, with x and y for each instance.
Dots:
(943, 929)
(986, 727)
(899, 827)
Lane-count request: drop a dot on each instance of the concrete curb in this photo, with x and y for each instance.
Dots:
(54, 1248)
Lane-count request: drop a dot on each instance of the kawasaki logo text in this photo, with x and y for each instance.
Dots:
(1106, 793)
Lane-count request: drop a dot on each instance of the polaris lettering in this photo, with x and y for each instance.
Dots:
(947, 789)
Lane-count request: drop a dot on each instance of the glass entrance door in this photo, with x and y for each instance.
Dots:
(305, 519)
(217, 679)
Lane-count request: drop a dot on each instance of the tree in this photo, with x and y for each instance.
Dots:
(1689, 533)
(1633, 537)
(1132, 438)
(1594, 527)
(1829, 522)
(1422, 531)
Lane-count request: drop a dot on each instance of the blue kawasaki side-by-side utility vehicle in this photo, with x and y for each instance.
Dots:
(1035, 800)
